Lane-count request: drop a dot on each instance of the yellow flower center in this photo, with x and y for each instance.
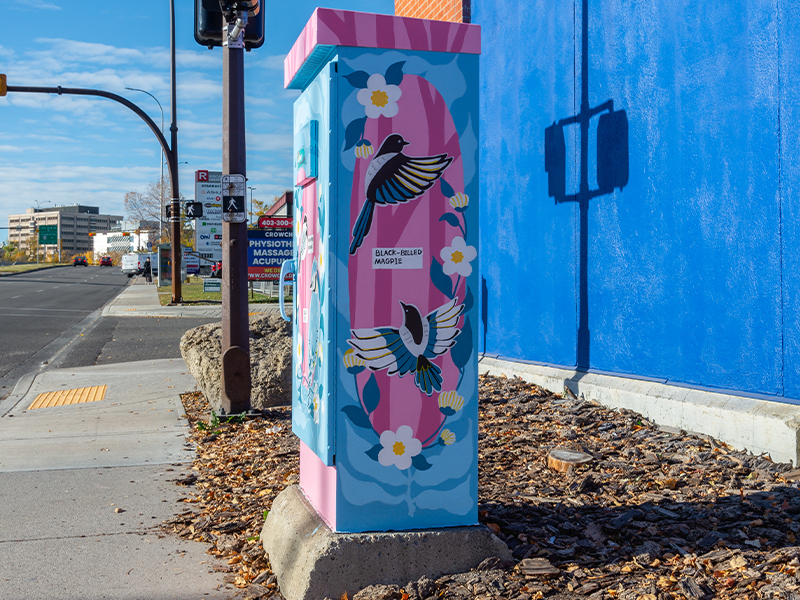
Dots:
(457, 257)
(380, 98)
(399, 449)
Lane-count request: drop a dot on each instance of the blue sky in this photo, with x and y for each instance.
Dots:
(70, 149)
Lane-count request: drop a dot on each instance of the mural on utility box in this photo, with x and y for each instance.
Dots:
(411, 428)
(386, 253)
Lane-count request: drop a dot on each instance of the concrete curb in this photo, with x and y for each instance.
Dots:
(311, 562)
(182, 311)
(140, 301)
(760, 426)
(20, 390)
(137, 422)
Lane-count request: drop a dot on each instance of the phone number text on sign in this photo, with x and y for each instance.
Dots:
(264, 222)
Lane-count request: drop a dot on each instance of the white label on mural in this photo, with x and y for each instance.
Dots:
(397, 258)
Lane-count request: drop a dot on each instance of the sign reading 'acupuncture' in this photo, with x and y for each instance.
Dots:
(266, 251)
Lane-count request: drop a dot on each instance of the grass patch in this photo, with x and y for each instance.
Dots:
(193, 294)
(31, 267)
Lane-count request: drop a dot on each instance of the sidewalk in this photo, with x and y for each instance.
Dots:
(141, 300)
(85, 485)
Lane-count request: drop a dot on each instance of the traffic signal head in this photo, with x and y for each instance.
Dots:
(208, 21)
(251, 6)
(3, 85)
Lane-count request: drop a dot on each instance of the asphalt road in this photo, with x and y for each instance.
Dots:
(125, 339)
(51, 319)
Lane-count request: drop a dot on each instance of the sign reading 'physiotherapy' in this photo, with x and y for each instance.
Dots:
(266, 251)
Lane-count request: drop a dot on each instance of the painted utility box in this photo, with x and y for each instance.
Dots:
(385, 398)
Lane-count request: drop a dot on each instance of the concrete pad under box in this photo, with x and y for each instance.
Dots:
(312, 562)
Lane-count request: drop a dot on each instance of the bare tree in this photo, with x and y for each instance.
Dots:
(149, 205)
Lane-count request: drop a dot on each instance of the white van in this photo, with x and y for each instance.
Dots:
(131, 264)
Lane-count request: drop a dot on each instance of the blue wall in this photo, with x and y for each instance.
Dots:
(693, 268)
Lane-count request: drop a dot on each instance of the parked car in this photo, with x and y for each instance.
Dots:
(216, 270)
(79, 260)
(105, 261)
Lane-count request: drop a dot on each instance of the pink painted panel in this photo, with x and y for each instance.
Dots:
(329, 27)
(375, 294)
(308, 246)
(318, 483)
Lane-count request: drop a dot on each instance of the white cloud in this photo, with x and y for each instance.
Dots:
(269, 141)
(62, 184)
(77, 149)
(73, 51)
(36, 4)
(272, 63)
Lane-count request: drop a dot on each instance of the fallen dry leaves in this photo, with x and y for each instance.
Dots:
(239, 469)
(653, 515)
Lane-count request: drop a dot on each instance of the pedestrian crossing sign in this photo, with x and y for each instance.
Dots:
(233, 199)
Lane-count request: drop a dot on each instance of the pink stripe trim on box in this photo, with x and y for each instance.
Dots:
(328, 27)
(318, 483)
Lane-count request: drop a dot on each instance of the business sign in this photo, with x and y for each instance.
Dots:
(267, 222)
(212, 285)
(266, 251)
(191, 262)
(48, 234)
(208, 193)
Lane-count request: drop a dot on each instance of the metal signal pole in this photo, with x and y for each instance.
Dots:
(236, 378)
(175, 219)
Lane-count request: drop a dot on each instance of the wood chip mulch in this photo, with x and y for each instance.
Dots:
(652, 516)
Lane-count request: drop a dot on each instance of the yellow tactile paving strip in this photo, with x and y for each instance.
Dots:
(64, 397)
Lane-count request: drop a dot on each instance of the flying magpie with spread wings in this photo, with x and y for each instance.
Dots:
(392, 177)
(410, 348)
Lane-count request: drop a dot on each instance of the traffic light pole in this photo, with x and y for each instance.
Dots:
(236, 379)
(175, 219)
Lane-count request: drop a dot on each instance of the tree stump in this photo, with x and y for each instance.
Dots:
(562, 460)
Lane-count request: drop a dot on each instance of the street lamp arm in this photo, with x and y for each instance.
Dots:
(103, 94)
(161, 108)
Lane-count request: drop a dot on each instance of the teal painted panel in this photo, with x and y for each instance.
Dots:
(312, 393)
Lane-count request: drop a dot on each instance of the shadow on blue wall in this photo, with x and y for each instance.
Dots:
(612, 172)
